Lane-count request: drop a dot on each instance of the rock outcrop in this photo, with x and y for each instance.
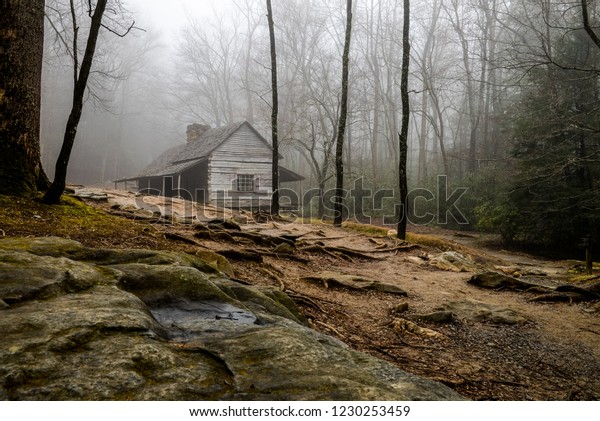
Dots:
(87, 324)
(479, 311)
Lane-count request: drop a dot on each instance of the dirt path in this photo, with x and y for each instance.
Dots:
(554, 355)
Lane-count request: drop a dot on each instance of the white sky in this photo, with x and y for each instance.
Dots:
(169, 16)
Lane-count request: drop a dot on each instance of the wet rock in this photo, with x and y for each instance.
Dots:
(329, 279)
(142, 325)
(188, 320)
(479, 311)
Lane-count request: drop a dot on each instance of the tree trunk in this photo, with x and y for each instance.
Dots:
(274, 111)
(321, 208)
(21, 51)
(403, 135)
(426, 75)
(57, 187)
(586, 23)
(423, 135)
(376, 124)
(339, 151)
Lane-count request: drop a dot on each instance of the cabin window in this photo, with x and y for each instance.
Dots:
(245, 182)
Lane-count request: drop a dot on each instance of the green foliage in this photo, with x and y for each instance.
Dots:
(498, 217)
(552, 198)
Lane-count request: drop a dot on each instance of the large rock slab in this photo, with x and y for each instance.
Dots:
(85, 324)
(479, 311)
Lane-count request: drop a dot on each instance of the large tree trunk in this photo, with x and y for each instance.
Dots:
(57, 187)
(274, 112)
(339, 151)
(21, 51)
(403, 135)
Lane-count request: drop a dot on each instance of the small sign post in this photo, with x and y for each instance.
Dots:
(587, 243)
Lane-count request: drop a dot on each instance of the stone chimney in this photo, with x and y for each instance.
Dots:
(194, 131)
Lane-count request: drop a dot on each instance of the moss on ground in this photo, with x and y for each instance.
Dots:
(372, 230)
(72, 218)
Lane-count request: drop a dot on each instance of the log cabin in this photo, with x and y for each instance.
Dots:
(229, 166)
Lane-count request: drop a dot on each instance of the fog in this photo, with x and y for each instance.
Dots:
(128, 118)
(500, 92)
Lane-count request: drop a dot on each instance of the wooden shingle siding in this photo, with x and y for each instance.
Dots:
(242, 153)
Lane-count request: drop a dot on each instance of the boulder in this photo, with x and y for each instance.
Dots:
(453, 261)
(84, 324)
(479, 311)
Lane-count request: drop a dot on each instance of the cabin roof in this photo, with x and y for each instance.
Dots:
(182, 157)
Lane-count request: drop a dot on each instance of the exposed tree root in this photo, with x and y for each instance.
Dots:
(256, 255)
(173, 236)
(330, 328)
(395, 249)
(339, 252)
(244, 255)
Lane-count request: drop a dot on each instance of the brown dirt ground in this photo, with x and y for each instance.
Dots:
(553, 357)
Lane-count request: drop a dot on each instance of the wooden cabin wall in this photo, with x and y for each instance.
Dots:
(243, 153)
(195, 181)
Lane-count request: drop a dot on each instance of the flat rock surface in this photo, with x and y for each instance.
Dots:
(86, 324)
(479, 311)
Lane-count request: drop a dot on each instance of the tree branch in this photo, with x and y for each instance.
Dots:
(586, 23)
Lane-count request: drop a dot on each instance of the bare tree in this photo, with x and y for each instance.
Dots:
(339, 151)
(54, 192)
(274, 111)
(403, 135)
(57, 187)
(209, 79)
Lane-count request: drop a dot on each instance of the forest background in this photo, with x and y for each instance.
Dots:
(505, 99)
